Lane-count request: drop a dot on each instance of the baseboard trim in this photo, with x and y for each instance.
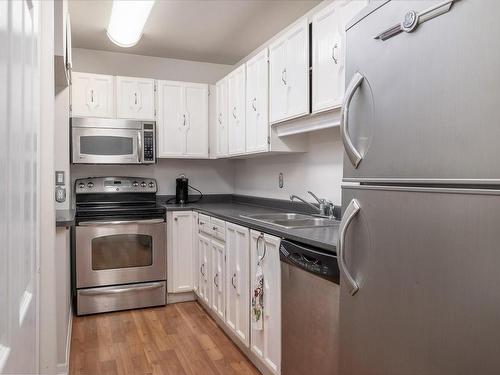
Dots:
(180, 297)
(63, 368)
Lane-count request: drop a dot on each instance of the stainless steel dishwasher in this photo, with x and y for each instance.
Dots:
(309, 310)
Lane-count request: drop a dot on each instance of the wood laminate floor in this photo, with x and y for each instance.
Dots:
(171, 340)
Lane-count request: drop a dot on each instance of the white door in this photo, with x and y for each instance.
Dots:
(181, 253)
(236, 111)
(222, 118)
(217, 280)
(329, 45)
(297, 71)
(237, 281)
(257, 120)
(92, 95)
(277, 81)
(204, 268)
(135, 98)
(196, 119)
(266, 342)
(171, 132)
(19, 190)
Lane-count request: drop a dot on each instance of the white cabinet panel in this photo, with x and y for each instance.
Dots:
(236, 111)
(329, 44)
(182, 120)
(237, 281)
(257, 121)
(196, 260)
(289, 70)
(135, 98)
(266, 343)
(180, 275)
(222, 118)
(92, 95)
(204, 268)
(217, 280)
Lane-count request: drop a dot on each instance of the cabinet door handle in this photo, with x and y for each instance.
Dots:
(261, 258)
(220, 118)
(216, 280)
(184, 119)
(283, 76)
(254, 101)
(202, 269)
(353, 154)
(234, 112)
(92, 96)
(135, 98)
(232, 281)
(349, 214)
(334, 54)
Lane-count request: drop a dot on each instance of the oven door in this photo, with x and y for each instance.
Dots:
(106, 146)
(120, 252)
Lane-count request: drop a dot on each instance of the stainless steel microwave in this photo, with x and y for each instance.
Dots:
(112, 141)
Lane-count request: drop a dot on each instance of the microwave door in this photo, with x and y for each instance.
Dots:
(106, 146)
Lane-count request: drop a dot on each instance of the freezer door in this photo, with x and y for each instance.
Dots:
(427, 107)
(426, 262)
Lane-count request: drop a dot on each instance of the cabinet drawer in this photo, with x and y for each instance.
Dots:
(204, 224)
(218, 229)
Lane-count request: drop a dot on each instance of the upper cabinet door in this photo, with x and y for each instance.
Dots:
(289, 70)
(135, 98)
(182, 120)
(236, 111)
(92, 95)
(171, 134)
(222, 118)
(329, 42)
(257, 121)
(196, 119)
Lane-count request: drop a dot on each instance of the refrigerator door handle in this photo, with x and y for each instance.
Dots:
(353, 154)
(350, 213)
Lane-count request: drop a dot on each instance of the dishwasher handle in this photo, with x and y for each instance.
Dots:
(310, 259)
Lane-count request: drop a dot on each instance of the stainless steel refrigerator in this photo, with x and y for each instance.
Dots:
(419, 247)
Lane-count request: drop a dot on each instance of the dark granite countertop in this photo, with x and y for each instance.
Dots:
(324, 238)
(65, 218)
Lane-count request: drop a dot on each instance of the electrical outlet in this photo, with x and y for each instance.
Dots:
(60, 194)
(280, 180)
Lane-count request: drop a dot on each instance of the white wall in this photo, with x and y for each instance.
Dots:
(124, 64)
(61, 151)
(210, 176)
(319, 170)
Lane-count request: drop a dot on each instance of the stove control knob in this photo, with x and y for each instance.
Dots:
(143, 184)
(135, 184)
(82, 185)
(151, 185)
(90, 185)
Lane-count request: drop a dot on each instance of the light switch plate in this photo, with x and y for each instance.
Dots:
(59, 178)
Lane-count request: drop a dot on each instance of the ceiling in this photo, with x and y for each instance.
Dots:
(216, 31)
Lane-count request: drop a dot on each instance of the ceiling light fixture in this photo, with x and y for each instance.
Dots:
(127, 21)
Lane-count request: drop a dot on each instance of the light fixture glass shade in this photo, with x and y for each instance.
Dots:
(127, 21)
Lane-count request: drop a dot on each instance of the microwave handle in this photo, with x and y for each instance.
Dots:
(139, 146)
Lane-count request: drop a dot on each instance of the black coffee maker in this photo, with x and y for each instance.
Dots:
(181, 190)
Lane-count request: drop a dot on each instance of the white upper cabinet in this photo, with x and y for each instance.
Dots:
(289, 74)
(329, 43)
(135, 98)
(182, 120)
(92, 95)
(236, 111)
(222, 118)
(257, 120)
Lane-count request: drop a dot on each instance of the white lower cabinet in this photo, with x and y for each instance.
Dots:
(217, 273)
(204, 268)
(237, 281)
(180, 252)
(265, 343)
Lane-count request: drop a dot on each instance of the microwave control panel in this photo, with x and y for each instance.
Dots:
(149, 143)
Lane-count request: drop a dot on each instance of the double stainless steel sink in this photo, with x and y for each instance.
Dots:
(292, 220)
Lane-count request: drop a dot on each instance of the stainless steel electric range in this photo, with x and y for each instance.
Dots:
(120, 246)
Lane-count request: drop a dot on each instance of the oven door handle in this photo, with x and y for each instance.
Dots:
(118, 290)
(119, 222)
